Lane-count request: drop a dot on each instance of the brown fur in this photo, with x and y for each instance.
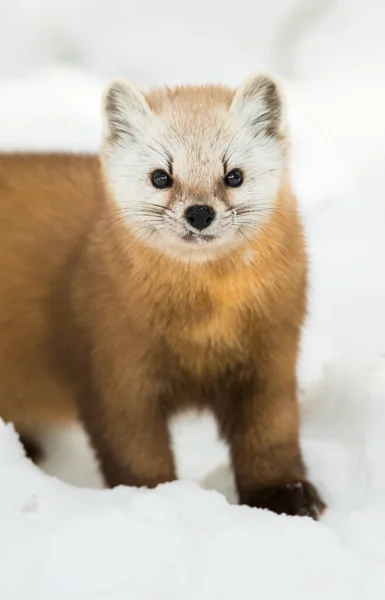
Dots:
(97, 323)
(132, 336)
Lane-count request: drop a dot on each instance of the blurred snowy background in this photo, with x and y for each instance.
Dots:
(55, 58)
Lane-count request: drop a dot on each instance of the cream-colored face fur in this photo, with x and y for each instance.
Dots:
(197, 136)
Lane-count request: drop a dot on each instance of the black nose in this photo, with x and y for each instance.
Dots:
(200, 216)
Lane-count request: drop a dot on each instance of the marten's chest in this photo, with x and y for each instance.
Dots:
(215, 325)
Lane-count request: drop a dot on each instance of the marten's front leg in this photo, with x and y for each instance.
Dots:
(129, 433)
(262, 429)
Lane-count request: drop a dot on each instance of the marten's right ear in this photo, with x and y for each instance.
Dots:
(125, 110)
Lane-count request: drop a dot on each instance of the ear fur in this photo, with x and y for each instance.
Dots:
(125, 110)
(259, 101)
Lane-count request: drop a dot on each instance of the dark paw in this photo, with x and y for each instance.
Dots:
(300, 498)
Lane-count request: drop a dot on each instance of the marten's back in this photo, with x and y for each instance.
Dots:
(47, 204)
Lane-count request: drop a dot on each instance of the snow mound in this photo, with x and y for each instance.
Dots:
(181, 541)
(52, 109)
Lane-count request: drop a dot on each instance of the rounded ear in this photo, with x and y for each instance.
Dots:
(124, 110)
(260, 102)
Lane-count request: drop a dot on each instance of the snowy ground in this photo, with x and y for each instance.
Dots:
(180, 541)
(60, 541)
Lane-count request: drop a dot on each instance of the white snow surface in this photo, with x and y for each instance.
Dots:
(183, 540)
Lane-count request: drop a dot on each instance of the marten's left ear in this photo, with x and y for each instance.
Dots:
(125, 111)
(259, 101)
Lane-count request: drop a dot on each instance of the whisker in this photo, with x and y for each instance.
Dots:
(143, 214)
(227, 156)
(248, 240)
(143, 210)
(246, 208)
(262, 173)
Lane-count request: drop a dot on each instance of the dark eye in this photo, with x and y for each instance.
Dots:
(161, 180)
(234, 178)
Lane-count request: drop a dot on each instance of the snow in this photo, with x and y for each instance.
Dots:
(69, 539)
(51, 109)
(182, 541)
(198, 40)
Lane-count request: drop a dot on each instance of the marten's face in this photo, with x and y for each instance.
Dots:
(195, 171)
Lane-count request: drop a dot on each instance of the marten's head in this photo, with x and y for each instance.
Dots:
(195, 171)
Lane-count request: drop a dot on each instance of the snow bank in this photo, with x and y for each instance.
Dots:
(338, 147)
(206, 38)
(180, 541)
(348, 38)
(53, 108)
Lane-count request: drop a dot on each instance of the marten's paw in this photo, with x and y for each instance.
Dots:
(300, 498)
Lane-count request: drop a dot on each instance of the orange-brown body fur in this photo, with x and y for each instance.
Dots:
(98, 324)
(46, 206)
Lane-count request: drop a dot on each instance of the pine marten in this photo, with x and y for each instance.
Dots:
(170, 273)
